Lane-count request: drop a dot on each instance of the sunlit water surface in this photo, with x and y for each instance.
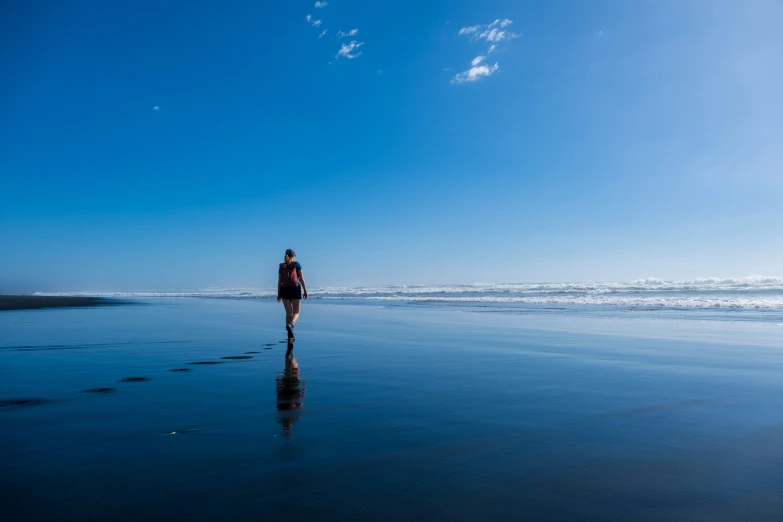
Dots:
(386, 413)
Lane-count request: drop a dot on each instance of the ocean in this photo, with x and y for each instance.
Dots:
(754, 298)
(398, 403)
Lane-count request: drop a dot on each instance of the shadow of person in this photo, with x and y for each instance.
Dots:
(290, 392)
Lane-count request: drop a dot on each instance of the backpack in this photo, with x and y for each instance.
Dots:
(290, 274)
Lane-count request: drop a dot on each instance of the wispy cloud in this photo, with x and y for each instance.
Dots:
(156, 107)
(475, 73)
(600, 33)
(348, 50)
(492, 33)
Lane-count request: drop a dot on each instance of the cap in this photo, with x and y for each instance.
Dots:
(290, 252)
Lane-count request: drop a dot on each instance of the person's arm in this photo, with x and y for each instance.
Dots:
(279, 285)
(304, 286)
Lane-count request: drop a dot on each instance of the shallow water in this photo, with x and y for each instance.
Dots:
(385, 414)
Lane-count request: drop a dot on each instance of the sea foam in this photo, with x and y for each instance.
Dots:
(752, 292)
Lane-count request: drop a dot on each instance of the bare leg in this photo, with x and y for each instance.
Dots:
(295, 310)
(288, 304)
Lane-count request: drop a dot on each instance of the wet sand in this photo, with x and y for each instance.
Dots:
(31, 302)
(385, 414)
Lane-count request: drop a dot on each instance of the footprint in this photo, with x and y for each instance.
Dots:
(180, 370)
(21, 402)
(207, 362)
(237, 357)
(99, 390)
(269, 344)
(252, 352)
(269, 348)
(135, 379)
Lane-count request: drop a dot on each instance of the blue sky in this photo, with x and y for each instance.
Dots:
(170, 145)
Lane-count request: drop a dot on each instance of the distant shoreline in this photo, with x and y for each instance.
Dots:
(33, 302)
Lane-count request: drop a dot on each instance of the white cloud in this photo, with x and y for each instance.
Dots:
(495, 35)
(347, 50)
(475, 73)
(490, 32)
(352, 32)
(600, 33)
(323, 33)
(321, 4)
(156, 108)
(314, 23)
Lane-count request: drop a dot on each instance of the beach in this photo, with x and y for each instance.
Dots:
(195, 409)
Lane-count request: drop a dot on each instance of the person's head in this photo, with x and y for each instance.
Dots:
(290, 256)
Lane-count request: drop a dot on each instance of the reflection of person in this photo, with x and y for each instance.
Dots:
(290, 284)
(290, 392)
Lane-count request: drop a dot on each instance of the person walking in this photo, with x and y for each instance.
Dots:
(291, 288)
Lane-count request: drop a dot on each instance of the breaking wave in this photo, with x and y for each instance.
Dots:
(752, 292)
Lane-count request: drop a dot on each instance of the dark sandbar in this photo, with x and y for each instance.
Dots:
(31, 302)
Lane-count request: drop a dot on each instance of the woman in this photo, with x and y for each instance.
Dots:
(290, 283)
